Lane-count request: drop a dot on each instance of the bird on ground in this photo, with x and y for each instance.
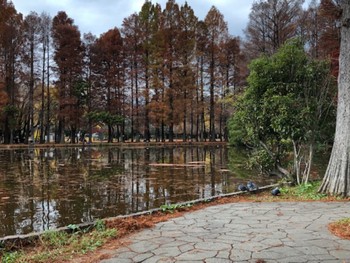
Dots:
(252, 186)
(242, 187)
(276, 191)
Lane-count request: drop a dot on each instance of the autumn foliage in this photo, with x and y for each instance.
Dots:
(164, 74)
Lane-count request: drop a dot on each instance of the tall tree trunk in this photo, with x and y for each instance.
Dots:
(337, 178)
(171, 105)
(132, 132)
(31, 92)
(110, 133)
(48, 92)
(137, 107)
(42, 135)
(212, 103)
(202, 102)
(147, 133)
(184, 136)
(73, 134)
(60, 132)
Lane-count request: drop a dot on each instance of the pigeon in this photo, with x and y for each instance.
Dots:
(252, 186)
(276, 191)
(242, 187)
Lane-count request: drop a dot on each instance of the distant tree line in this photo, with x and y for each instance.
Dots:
(163, 74)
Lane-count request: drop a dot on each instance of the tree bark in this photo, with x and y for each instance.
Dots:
(337, 178)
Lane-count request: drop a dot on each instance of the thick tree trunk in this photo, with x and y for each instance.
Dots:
(337, 178)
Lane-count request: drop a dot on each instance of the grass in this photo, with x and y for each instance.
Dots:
(86, 246)
(171, 208)
(307, 191)
(55, 246)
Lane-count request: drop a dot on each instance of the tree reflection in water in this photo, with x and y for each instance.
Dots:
(42, 189)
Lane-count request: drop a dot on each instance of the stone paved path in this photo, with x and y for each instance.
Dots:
(243, 232)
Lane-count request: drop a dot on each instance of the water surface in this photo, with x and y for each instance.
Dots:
(43, 189)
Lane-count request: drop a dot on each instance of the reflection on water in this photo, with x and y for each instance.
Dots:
(47, 188)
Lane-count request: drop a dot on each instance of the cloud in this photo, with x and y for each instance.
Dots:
(98, 16)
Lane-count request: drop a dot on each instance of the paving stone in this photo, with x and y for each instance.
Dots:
(242, 232)
(126, 255)
(167, 251)
(117, 260)
(285, 251)
(176, 243)
(185, 222)
(156, 259)
(297, 259)
(272, 242)
(268, 255)
(239, 255)
(324, 257)
(251, 246)
(186, 248)
(322, 243)
(341, 254)
(143, 246)
(147, 234)
(216, 246)
(166, 260)
(196, 254)
(225, 254)
(142, 257)
(189, 239)
(172, 233)
(217, 260)
(312, 250)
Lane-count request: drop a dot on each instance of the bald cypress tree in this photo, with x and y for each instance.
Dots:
(337, 178)
(11, 24)
(68, 56)
(217, 34)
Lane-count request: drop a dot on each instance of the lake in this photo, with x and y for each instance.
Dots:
(43, 189)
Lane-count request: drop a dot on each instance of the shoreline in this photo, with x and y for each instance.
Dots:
(114, 144)
(26, 239)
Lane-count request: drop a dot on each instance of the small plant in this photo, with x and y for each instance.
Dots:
(307, 191)
(73, 227)
(11, 257)
(171, 208)
(100, 225)
(344, 221)
(55, 239)
(58, 246)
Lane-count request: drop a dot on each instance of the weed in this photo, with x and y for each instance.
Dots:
(100, 225)
(58, 245)
(55, 239)
(93, 240)
(171, 208)
(73, 227)
(307, 191)
(344, 221)
(11, 257)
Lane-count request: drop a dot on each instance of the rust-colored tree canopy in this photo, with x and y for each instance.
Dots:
(164, 74)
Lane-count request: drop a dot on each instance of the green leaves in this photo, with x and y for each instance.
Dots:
(287, 98)
(171, 208)
(105, 117)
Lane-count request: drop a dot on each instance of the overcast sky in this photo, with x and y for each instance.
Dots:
(98, 16)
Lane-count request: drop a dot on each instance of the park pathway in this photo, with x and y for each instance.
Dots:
(243, 232)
